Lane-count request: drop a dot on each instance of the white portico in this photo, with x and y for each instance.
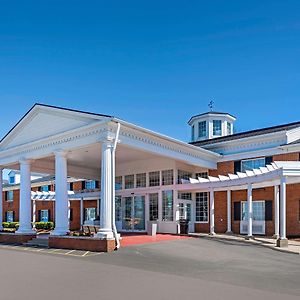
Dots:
(64, 142)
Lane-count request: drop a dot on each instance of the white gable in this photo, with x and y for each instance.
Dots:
(42, 122)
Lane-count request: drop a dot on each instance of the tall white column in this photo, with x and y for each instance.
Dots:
(283, 208)
(229, 211)
(105, 231)
(276, 208)
(1, 198)
(25, 198)
(61, 194)
(212, 211)
(81, 212)
(33, 213)
(250, 210)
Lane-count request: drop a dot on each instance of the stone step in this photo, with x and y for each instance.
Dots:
(38, 243)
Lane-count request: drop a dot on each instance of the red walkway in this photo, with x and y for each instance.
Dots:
(139, 239)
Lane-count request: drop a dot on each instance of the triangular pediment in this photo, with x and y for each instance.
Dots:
(44, 121)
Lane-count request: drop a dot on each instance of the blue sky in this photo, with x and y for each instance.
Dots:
(153, 63)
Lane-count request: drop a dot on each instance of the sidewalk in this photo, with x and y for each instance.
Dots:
(293, 247)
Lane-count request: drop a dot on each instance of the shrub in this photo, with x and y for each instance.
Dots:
(12, 225)
(44, 225)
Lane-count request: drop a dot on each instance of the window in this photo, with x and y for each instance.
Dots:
(251, 164)
(167, 205)
(129, 181)
(70, 186)
(118, 208)
(229, 128)
(258, 210)
(12, 180)
(141, 180)
(217, 127)
(90, 214)
(44, 215)
(183, 175)
(153, 207)
(167, 177)
(202, 207)
(118, 183)
(184, 196)
(202, 129)
(9, 196)
(193, 133)
(10, 216)
(154, 178)
(44, 188)
(202, 175)
(90, 184)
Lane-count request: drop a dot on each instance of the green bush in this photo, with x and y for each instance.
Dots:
(12, 225)
(44, 225)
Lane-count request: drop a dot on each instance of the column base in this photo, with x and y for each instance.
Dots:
(212, 233)
(249, 237)
(59, 232)
(282, 242)
(229, 232)
(25, 231)
(275, 236)
(105, 235)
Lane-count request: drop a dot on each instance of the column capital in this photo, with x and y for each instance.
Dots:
(61, 153)
(25, 161)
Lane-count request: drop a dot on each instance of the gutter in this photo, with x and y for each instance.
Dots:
(113, 192)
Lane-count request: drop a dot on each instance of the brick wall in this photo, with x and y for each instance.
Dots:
(293, 201)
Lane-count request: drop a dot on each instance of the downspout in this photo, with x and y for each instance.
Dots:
(113, 157)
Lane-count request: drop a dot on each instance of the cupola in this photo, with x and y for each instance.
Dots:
(211, 125)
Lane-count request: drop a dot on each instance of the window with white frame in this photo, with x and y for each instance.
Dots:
(118, 183)
(90, 214)
(193, 133)
(183, 175)
(44, 188)
(44, 215)
(10, 216)
(202, 207)
(118, 208)
(167, 206)
(129, 181)
(153, 207)
(141, 180)
(12, 179)
(167, 177)
(202, 129)
(229, 128)
(90, 184)
(9, 196)
(250, 164)
(201, 175)
(217, 127)
(258, 208)
(184, 196)
(154, 178)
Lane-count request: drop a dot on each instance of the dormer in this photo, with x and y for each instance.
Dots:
(211, 125)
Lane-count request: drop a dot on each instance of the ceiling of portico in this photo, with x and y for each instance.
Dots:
(86, 162)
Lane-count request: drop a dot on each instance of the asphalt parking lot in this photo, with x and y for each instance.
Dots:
(194, 268)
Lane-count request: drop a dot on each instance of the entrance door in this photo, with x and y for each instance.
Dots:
(185, 213)
(258, 223)
(134, 213)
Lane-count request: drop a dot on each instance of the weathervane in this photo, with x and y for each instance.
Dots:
(211, 105)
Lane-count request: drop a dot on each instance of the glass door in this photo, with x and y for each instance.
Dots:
(134, 213)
